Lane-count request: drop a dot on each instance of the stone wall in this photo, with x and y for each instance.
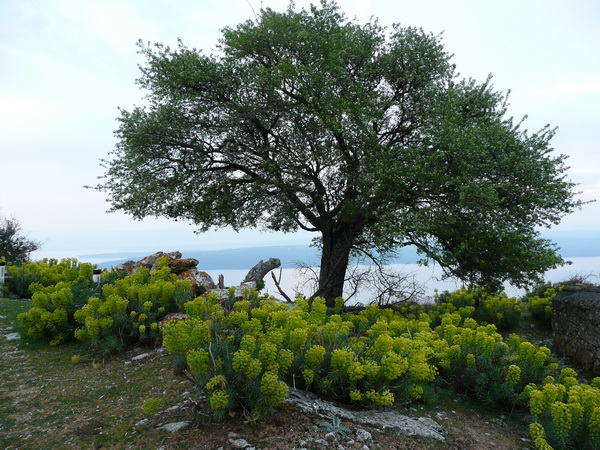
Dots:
(576, 325)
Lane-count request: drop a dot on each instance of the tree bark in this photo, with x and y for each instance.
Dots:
(337, 244)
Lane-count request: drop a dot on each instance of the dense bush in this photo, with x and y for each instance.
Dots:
(112, 314)
(566, 414)
(492, 308)
(54, 305)
(46, 272)
(480, 364)
(245, 358)
(540, 307)
(128, 311)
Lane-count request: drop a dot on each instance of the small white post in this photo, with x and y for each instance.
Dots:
(96, 275)
(2, 271)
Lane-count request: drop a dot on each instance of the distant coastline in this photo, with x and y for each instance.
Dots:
(292, 256)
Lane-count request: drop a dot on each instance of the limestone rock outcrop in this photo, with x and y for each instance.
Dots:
(148, 262)
(202, 282)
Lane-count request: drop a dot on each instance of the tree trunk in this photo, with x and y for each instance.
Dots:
(337, 244)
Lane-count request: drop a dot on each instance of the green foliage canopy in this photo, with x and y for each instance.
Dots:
(366, 136)
(15, 246)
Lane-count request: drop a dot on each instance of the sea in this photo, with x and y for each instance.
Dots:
(295, 281)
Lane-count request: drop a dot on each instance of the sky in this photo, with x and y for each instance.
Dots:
(67, 65)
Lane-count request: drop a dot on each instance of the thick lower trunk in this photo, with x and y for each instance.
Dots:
(337, 244)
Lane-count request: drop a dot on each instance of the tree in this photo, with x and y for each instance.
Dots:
(308, 120)
(14, 245)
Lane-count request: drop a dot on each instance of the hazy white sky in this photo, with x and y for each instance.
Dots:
(66, 65)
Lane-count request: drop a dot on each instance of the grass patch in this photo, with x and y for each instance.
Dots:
(46, 401)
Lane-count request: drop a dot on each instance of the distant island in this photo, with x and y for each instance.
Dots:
(292, 256)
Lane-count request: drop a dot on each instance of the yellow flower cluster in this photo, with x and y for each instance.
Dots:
(245, 364)
(538, 435)
(341, 360)
(572, 410)
(219, 400)
(594, 425)
(513, 375)
(183, 336)
(197, 361)
(384, 398)
(315, 356)
(273, 388)
(561, 418)
(393, 365)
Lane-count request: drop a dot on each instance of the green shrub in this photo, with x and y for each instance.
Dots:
(491, 308)
(151, 405)
(500, 310)
(52, 314)
(127, 312)
(110, 315)
(244, 358)
(478, 363)
(540, 308)
(566, 414)
(47, 272)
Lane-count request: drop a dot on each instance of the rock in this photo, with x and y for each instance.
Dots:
(182, 265)
(142, 356)
(311, 442)
(142, 423)
(331, 436)
(127, 266)
(201, 281)
(363, 435)
(174, 426)
(424, 427)
(259, 271)
(150, 260)
(239, 443)
(12, 336)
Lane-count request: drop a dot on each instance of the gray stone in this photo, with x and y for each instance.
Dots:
(142, 356)
(311, 442)
(12, 336)
(175, 426)
(142, 423)
(363, 435)
(239, 443)
(259, 271)
(392, 420)
(331, 437)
